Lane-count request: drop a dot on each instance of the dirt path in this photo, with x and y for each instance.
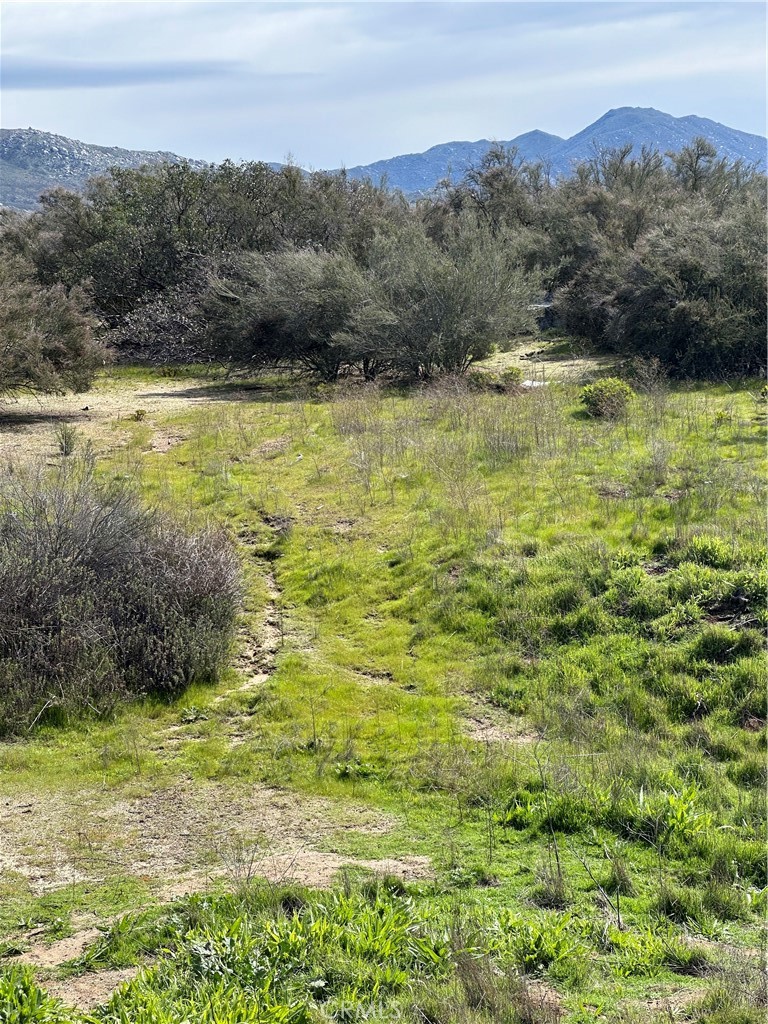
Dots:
(28, 422)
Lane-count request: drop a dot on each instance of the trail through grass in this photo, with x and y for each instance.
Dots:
(512, 653)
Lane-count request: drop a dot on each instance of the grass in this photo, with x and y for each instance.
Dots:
(595, 587)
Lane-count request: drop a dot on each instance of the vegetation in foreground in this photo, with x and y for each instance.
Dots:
(590, 590)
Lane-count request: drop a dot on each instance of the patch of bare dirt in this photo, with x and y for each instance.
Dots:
(487, 729)
(92, 989)
(343, 526)
(376, 678)
(258, 650)
(320, 868)
(28, 422)
(668, 1006)
(168, 833)
(544, 1000)
(162, 442)
(270, 449)
(53, 954)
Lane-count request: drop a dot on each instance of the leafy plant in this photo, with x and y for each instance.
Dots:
(607, 398)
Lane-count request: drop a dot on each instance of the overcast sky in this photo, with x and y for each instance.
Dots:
(349, 83)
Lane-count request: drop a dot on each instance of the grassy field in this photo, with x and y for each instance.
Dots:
(500, 680)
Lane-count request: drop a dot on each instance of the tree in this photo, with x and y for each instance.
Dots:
(304, 306)
(451, 304)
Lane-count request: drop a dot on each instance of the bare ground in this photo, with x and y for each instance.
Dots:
(28, 422)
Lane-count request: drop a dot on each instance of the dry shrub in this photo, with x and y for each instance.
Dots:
(102, 599)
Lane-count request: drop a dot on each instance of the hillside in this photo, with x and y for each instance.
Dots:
(419, 172)
(32, 161)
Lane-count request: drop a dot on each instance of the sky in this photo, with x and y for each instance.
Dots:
(341, 84)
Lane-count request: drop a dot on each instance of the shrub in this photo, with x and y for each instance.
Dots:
(102, 599)
(607, 398)
(48, 341)
(503, 382)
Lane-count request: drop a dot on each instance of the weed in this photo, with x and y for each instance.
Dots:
(67, 438)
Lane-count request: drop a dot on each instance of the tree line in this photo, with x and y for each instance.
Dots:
(640, 254)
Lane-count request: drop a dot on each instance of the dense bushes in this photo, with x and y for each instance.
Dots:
(101, 599)
(413, 308)
(644, 257)
(641, 255)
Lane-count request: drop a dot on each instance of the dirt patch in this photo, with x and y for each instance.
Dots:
(163, 442)
(376, 678)
(321, 868)
(258, 649)
(90, 990)
(613, 489)
(343, 526)
(272, 448)
(668, 1006)
(28, 422)
(169, 833)
(53, 954)
(484, 729)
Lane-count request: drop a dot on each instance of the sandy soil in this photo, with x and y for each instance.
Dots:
(28, 422)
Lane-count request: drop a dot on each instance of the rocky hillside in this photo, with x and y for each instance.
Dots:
(32, 161)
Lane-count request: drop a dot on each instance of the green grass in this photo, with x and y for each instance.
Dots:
(597, 586)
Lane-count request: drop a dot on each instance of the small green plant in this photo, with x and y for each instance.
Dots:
(67, 438)
(23, 1002)
(607, 398)
(139, 415)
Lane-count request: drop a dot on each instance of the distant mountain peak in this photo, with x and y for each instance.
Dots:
(32, 160)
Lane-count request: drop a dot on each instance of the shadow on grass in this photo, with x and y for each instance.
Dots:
(11, 420)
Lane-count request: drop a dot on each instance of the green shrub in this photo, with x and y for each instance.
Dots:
(506, 380)
(511, 378)
(536, 944)
(607, 398)
(48, 336)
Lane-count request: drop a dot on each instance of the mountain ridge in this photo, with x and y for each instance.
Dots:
(639, 125)
(32, 161)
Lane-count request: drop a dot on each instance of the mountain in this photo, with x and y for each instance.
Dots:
(32, 161)
(643, 126)
(420, 172)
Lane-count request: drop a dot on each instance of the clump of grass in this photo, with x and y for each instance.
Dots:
(67, 438)
(619, 877)
(551, 890)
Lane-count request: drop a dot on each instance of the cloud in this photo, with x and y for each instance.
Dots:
(31, 73)
(353, 82)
